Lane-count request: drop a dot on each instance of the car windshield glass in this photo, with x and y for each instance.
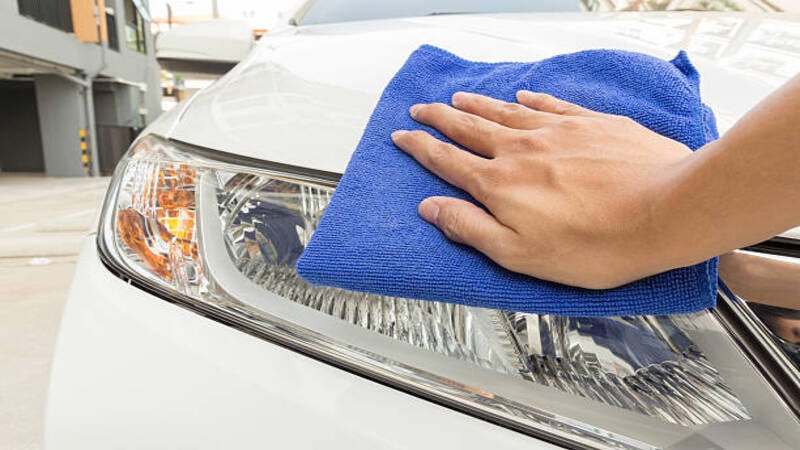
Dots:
(330, 11)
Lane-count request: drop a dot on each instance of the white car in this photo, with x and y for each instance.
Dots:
(187, 328)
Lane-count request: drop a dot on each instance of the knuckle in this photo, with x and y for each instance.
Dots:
(466, 121)
(470, 101)
(543, 98)
(414, 140)
(509, 111)
(562, 107)
(409, 141)
(436, 108)
(486, 184)
(625, 121)
(529, 141)
(498, 173)
(414, 135)
(509, 251)
(571, 123)
(437, 155)
(571, 108)
(429, 111)
(505, 252)
(552, 174)
(484, 194)
(451, 222)
(550, 103)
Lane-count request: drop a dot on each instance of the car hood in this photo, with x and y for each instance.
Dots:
(303, 95)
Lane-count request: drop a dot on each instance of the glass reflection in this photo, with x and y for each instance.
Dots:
(771, 286)
(646, 364)
(643, 363)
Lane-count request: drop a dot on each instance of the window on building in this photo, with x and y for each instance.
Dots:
(134, 28)
(56, 13)
(111, 26)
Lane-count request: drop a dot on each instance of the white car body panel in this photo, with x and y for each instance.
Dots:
(303, 96)
(134, 371)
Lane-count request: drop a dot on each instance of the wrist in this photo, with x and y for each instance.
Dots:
(674, 223)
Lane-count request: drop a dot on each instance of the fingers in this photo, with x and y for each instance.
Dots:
(473, 132)
(550, 104)
(479, 122)
(448, 162)
(511, 115)
(466, 223)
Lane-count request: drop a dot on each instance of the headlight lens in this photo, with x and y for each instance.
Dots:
(225, 237)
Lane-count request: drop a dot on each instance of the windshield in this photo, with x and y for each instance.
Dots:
(330, 11)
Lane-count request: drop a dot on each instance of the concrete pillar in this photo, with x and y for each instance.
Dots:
(152, 94)
(117, 114)
(62, 115)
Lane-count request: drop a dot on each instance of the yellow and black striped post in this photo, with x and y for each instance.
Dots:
(87, 163)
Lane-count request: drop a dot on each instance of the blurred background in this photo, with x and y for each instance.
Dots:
(71, 66)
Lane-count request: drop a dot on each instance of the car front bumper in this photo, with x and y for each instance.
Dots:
(134, 371)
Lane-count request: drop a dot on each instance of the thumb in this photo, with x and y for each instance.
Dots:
(466, 223)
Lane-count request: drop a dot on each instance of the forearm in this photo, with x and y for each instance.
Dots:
(761, 279)
(738, 190)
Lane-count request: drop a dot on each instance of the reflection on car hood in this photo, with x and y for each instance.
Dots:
(304, 95)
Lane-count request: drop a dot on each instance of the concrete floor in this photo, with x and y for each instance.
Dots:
(42, 222)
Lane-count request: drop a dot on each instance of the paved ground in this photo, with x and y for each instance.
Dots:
(42, 221)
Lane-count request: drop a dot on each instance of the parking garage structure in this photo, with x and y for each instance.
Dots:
(78, 80)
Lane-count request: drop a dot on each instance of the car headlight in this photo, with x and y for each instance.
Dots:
(221, 236)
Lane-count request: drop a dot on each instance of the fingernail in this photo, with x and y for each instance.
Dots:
(397, 134)
(429, 210)
(458, 98)
(415, 109)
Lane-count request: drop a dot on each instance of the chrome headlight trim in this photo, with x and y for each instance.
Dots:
(758, 344)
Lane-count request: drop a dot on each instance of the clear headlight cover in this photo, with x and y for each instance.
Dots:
(223, 238)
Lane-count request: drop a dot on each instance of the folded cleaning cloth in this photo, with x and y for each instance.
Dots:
(371, 238)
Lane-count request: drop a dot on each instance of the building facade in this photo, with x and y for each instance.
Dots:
(78, 80)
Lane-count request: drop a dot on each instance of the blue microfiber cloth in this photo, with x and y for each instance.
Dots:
(371, 239)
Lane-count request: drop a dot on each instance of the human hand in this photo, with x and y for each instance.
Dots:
(573, 195)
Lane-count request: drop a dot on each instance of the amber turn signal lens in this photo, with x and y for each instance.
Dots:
(160, 225)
